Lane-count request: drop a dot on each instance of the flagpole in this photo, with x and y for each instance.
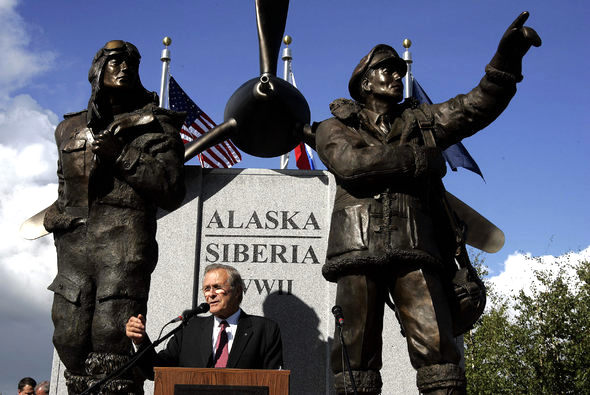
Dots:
(287, 58)
(165, 58)
(408, 78)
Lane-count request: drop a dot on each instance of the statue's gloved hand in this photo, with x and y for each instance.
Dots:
(514, 44)
(435, 162)
(107, 146)
(57, 220)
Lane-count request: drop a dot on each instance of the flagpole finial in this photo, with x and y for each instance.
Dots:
(287, 56)
(165, 58)
(407, 43)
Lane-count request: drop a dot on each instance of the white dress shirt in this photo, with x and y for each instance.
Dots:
(231, 329)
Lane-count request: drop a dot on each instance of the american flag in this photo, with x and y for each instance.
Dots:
(196, 124)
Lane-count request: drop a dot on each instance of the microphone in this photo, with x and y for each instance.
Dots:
(337, 311)
(188, 314)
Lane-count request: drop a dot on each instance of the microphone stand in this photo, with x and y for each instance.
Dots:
(346, 359)
(133, 360)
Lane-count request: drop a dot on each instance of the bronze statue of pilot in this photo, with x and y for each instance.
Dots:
(119, 161)
(390, 234)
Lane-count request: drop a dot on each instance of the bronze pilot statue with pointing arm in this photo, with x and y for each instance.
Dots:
(391, 235)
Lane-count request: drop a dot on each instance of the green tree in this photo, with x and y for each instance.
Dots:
(536, 342)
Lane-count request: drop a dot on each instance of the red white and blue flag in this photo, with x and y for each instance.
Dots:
(304, 157)
(196, 124)
(303, 152)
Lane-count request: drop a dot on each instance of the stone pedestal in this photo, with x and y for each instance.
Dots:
(273, 227)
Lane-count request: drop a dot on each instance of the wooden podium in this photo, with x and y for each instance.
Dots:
(165, 379)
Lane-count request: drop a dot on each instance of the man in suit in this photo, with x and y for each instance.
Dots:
(229, 338)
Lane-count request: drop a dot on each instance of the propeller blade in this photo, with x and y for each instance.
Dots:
(213, 137)
(33, 227)
(271, 18)
(481, 233)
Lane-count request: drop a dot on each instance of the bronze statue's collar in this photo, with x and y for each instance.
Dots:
(345, 109)
(372, 116)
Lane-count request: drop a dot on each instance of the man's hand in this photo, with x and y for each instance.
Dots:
(135, 329)
(107, 146)
(514, 44)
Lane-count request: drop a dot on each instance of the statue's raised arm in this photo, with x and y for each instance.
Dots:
(514, 44)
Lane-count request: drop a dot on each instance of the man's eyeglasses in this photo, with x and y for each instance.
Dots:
(215, 288)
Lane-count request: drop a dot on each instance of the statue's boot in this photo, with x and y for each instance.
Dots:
(76, 383)
(368, 382)
(447, 391)
(443, 379)
(100, 365)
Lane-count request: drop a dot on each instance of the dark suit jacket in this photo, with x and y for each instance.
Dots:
(257, 345)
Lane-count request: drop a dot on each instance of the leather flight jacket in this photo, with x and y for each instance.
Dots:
(388, 207)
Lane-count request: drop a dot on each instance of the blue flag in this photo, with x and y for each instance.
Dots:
(456, 155)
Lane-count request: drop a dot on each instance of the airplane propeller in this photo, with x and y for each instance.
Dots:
(265, 116)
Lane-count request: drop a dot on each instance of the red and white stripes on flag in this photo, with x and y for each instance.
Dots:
(224, 154)
(196, 124)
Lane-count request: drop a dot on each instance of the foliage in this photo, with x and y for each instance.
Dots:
(537, 342)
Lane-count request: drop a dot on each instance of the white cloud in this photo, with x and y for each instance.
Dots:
(27, 184)
(519, 270)
(18, 63)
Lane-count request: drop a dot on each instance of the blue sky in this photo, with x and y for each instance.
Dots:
(534, 157)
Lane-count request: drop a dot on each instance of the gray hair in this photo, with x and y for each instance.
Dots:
(43, 386)
(233, 277)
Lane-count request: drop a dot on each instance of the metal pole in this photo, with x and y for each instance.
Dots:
(287, 77)
(165, 58)
(408, 78)
(287, 61)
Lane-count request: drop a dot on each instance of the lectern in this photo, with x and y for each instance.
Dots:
(200, 381)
